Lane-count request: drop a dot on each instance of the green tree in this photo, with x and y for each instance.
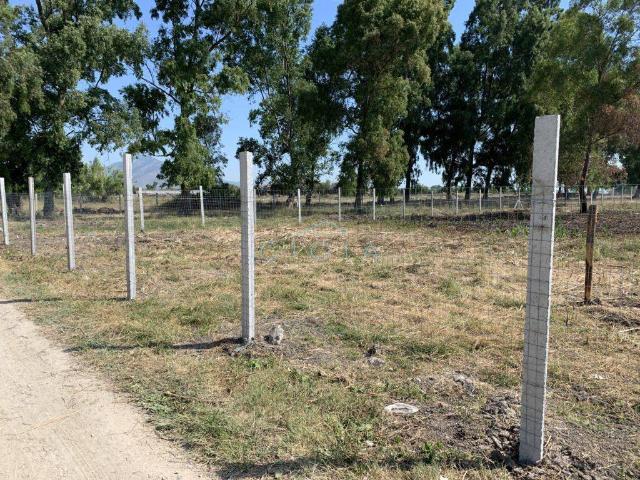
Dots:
(187, 73)
(591, 77)
(20, 96)
(374, 58)
(74, 48)
(95, 180)
(295, 134)
(504, 42)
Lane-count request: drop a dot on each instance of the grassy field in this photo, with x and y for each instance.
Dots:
(440, 305)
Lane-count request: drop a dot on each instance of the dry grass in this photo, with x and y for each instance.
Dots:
(434, 300)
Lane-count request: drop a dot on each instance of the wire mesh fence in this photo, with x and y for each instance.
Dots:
(100, 219)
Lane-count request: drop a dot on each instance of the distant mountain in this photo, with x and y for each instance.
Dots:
(145, 170)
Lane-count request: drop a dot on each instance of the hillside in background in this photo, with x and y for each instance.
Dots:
(145, 170)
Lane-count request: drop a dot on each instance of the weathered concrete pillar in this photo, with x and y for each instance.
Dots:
(339, 204)
(457, 202)
(141, 208)
(201, 205)
(247, 246)
(68, 220)
(299, 208)
(32, 214)
(129, 225)
(5, 213)
(538, 310)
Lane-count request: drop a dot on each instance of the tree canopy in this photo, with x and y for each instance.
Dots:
(375, 98)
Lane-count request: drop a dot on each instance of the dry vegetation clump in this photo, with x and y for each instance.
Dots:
(439, 305)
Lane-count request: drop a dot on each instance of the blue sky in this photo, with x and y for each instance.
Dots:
(237, 107)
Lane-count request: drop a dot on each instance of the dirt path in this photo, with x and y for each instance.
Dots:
(57, 422)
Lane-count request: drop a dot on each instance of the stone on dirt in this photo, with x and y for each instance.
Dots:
(401, 409)
(275, 336)
(375, 361)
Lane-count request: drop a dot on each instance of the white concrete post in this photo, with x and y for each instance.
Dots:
(539, 279)
(500, 198)
(129, 225)
(32, 215)
(248, 246)
(339, 204)
(374, 203)
(5, 215)
(457, 208)
(68, 221)
(480, 200)
(299, 208)
(141, 208)
(201, 205)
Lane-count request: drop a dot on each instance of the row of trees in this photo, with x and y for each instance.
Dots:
(379, 95)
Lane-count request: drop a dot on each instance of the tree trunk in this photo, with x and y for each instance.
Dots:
(469, 177)
(487, 181)
(407, 185)
(184, 201)
(583, 178)
(407, 179)
(49, 204)
(359, 186)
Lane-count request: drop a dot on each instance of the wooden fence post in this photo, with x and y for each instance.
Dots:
(591, 233)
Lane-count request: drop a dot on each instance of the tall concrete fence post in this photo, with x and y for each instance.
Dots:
(247, 246)
(5, 214)
(299, 208)
(129, 226)
(500, 198)
(141, 208)
(68, 221)
(480, 200)
(339, 204)
(373, 203)
(201, 192)
(32, 215)
(457, 202)
(539, 280)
